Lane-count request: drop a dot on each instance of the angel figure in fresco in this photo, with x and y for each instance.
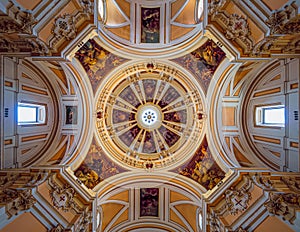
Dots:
(204, 170)
(92, 57)
(150, 25)
(210, 54)
(87, 176)
(100, 58)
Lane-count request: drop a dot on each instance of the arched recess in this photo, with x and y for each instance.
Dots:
(275, 87)
(162, 29)
(240, 90)
(27, 86)
(224, 99)
(75, 111)
(137, 200)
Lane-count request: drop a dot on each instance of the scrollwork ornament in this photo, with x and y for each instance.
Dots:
(279, 20)
(87, 6)
(262, 181)
(84, 222)
(18, 201)
(237, 200)
(237, 27)
(214, 222)
(215, 5)
(292, 183)
(264, 46)
(293, 46)
(64, 27)
(62, 197)
(22, 17)
(276, 206)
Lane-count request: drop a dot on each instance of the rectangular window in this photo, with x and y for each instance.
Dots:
(274, 115)
(30, 114)
(270, 116)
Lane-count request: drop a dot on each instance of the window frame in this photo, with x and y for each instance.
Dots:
(40, 114)
(260, 113)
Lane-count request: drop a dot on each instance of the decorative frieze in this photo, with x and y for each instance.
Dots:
(7, 25)
(262, 181)
(263, 46)
(22, 180)
(31, 45)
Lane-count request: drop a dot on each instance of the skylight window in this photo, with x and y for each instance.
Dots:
(270, 116)
(30, 114)
(274, 116)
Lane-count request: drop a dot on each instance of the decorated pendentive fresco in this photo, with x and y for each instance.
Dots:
(96, 167)
(150, 25)
(202, 168)
(149, 202)
(97, 62)
(203, 62)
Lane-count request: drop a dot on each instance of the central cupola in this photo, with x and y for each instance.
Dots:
(150, 114)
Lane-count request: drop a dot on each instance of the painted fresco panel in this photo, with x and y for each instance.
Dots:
(203, 62)
(96, 167)
(150, 29)
(71, 115)
(202, 168)
(97, 62)
(149, 202)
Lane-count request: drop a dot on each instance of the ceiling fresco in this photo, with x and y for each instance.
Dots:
(203, 62)
(97, 62)
(202, 168)
(150, 116)
(96, 167)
